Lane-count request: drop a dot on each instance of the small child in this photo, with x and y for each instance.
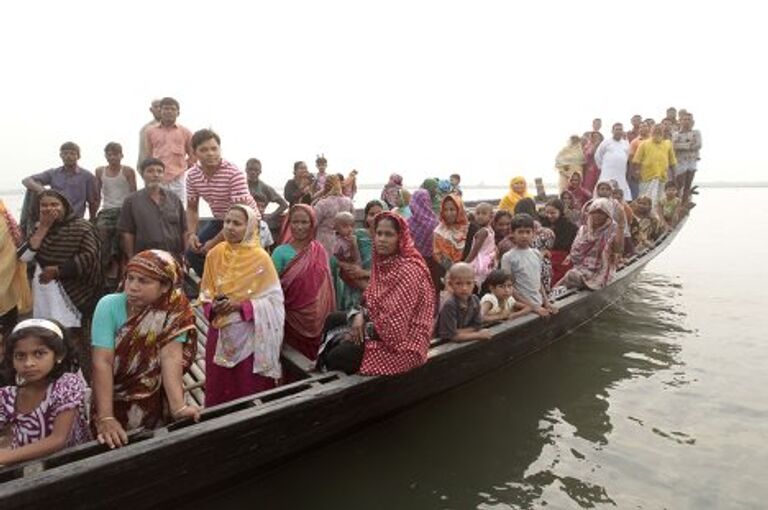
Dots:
(524, 263)
(346, 251)
(455, 180)
(498, 304)
(459, 319)
(265, 234)
(46, 407)
(482, 255)
(647, 227)
(669, 206)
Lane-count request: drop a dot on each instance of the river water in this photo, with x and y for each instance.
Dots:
(660, 402)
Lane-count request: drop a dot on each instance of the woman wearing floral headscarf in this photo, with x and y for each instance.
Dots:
(143, 339)
(243, 301)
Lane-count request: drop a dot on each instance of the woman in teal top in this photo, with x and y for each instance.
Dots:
(143, 339)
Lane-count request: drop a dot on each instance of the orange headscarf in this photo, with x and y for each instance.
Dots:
(449, 240)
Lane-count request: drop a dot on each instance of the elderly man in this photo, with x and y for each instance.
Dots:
(611, 158)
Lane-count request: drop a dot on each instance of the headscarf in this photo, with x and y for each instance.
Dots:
(244, 271)
(432, 186)
(308, 290)
(73, 245)
(400, 302)
(14, 286)
(565, 231)
(391, 192)
(449, 240)
(591, 250)
(511, 198)
(580, 194)
(138, 399)
(422, 222)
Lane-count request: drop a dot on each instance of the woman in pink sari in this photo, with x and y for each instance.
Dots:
(598, 245)
(306, 280)
(589, 145)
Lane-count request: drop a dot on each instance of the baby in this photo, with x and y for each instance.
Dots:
(346, 251)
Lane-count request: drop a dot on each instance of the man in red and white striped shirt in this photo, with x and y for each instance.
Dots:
(220, 184)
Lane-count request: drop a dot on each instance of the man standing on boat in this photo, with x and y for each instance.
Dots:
(170, 143)
(687, 144)
(633, 133)
(154, 109)
(256, 185)
(654, 161)
(77, 184)
(220, 184)
(611, 158)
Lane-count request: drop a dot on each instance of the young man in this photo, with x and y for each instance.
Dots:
(171, 143)
(75, 183)
(459, 319)
(114, 182)
(524, 264)
(220, 184)
(653, 162)
(152, 218)
(611, 158)
(257, 186)
(633, 133)
(687, 144)
(154, 109)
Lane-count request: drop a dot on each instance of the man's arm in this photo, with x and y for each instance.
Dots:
(275, 197)
(92, 196)
(129, 244)
(38, 182)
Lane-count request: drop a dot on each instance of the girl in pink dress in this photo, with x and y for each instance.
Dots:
(46, 408)
(482, 257)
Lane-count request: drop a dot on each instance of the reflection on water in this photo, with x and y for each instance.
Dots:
(523, 437)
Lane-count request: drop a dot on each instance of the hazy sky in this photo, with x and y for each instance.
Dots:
(487, 89)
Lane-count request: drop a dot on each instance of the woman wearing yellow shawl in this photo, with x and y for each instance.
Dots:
(15, 296)
(243, 301)
(569, 160)
(518, 189)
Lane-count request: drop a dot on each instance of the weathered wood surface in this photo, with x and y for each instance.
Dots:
(255, 432)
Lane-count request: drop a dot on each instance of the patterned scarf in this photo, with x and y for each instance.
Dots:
(422, 222)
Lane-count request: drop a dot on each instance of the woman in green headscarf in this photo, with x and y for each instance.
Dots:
(432, 185)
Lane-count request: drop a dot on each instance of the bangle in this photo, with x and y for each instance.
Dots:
(106, 418)
(180, 409)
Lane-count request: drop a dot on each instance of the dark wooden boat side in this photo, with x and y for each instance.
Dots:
(254, 433)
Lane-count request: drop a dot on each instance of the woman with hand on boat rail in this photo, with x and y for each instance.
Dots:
(305, 276)
(143, 339)
(243, 302)
(392, 332)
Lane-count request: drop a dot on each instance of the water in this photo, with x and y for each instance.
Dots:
(661, 402)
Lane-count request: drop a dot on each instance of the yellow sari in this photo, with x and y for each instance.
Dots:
(14, 287)
(512, 198)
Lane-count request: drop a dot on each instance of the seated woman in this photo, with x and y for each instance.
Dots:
(68, 275)
(579, 193)
(647, 226)
(15, 294)
(243, 302)
(518, 190)
(450, 235)
(565, 233)
(306, 280)
(391, 334)
(143, 339)
(46, 407)
(598, 245)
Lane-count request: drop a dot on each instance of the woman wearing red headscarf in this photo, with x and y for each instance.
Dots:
(306, 280)
(391, 334)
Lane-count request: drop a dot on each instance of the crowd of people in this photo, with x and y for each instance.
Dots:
(109, 310)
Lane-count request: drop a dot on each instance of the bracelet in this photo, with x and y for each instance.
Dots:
(106, 418)
(177, 411)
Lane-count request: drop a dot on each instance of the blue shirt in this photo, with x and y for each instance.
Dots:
(110, 315)
(78, 187)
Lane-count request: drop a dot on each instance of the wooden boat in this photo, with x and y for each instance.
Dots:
(253, 434)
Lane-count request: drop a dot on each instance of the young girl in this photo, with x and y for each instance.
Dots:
(498, 304)
(482, 256)
(346, 251)
(46, 407)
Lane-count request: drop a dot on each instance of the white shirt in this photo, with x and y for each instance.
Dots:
(611, 157)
